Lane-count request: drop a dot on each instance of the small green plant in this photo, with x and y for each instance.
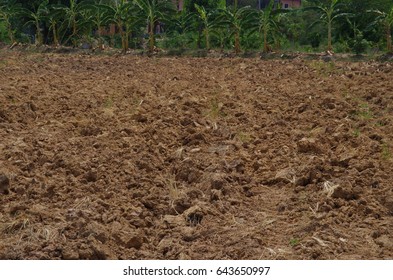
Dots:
(323, 68)
(345, 94)
(3, 64)
(3, 32)
(358, 45)
(215, 109)
(135, 105)
(294, 241)
(356, 132)
(108, 103)
(365, 113)
(380, 124)
(244, 137)
(386, 153)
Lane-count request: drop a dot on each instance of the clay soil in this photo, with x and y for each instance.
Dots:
(127, 157)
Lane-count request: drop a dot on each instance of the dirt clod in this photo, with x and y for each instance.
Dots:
(4, 184)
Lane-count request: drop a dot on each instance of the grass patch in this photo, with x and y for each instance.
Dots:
(365, 113)
(108, 103)
(244, 137)
(3, 63)
(15, 226)
(294, 241)
(380, 123)
(215, 109)
(356, 132)
(386, 153)
(323, 68)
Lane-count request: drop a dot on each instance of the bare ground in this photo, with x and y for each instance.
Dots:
(126, 157)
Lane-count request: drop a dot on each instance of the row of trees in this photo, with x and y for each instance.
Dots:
(218, 23)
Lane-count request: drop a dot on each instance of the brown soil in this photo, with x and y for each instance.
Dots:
(127, 157)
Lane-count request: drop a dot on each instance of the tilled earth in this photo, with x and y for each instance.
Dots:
(127, 157)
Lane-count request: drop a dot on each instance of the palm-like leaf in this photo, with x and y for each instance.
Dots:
(10, 10)
(74, 18)
(235, 20)
(126, 16)
(99, 15)
(208, 21)
(37, 16)
(386, 20)
(328, 14)
(264, 22)
(154, 11)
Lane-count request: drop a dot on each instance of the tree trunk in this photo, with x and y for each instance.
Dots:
(39, 40)
(237, 42)
(100, 41)
(55, 36)
(127, 38)
(199, 37)
(11, 35)
(151, 36)
(265, 48)
(207, 39)
(126, 41)
(10, 31)
(74, 31)
(54, 33)
(389, 39)
(123, 43)
(329, 36)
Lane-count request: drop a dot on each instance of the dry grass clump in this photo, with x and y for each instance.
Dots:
(329, 187)
(15, 226)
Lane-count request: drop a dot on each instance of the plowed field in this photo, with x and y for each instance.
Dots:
(130, 157)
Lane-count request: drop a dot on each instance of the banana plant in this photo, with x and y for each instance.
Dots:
(208, 22)
(328, 14)
(235, 20)
(125, 16)
(386, 20)
(154, 11)
(54, 18)
(10, 10)
(74, 19)
(99, 15)
(183, 21)
(37, 17)
(265, 22)
(181, 24)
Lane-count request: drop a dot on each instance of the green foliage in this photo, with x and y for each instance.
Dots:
(329, 12)
(343, 46)
(3, 32)
(127, 18)
(386, 153)
(294, 241)
(358, 45)
(154, 11)
(314, 39)
(356, 132)
(323, 68)
(207, 21)
(386, 20)
(189, 5)
(235, 20)
(74, 21)
(37, 16)
(10, 12)
(179, 40)
(265, 23)
(350, 25)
